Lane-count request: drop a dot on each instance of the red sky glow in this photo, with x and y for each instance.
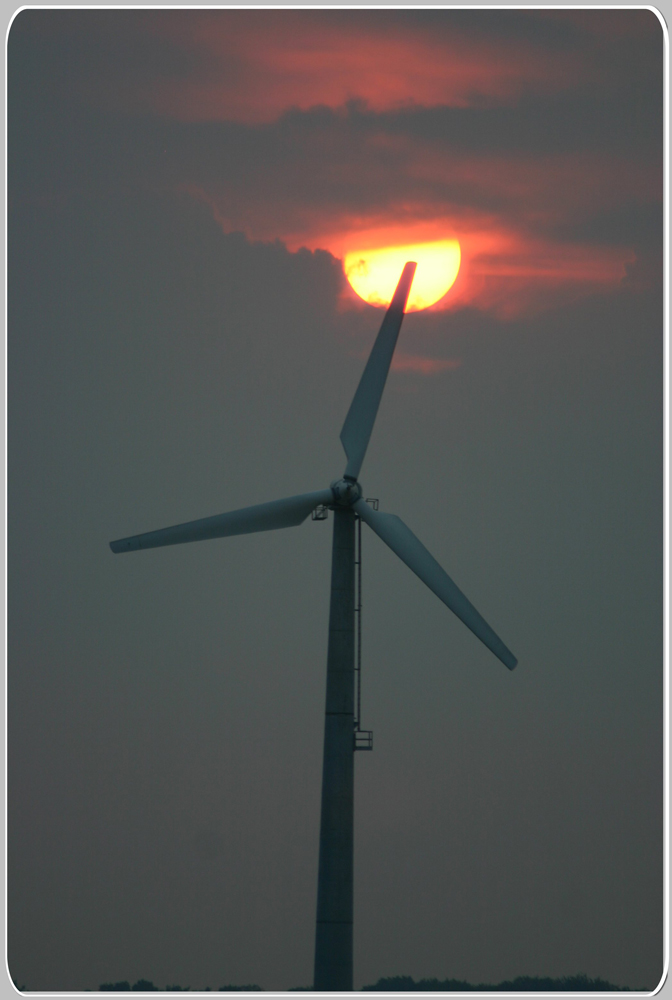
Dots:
(259, 64)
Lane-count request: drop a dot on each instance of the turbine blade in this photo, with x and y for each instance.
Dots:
(364, 407)
(263, 517)
(403, 542)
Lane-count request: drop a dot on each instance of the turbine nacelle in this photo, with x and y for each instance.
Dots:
(346, 491)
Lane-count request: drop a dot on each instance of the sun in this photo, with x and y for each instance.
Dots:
(374, 273)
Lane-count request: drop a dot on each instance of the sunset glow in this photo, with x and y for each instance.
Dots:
(374, 273)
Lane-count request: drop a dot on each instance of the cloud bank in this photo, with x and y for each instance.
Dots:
(535, 138)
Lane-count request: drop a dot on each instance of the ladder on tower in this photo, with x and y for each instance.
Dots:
(363, 738)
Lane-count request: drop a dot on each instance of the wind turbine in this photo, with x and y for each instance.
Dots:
(333, 939)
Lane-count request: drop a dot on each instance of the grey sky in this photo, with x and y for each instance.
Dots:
(166, 707)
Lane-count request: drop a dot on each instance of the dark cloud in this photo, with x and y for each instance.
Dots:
(310, 174)
(133, 59)
(634, 225)
(629, 119)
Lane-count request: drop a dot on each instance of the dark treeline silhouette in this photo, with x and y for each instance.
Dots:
(523, 984)
(146, 986)
(405, 984)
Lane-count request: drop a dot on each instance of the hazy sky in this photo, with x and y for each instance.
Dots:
(182, 341)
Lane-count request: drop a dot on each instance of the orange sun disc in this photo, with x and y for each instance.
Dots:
(374, 274)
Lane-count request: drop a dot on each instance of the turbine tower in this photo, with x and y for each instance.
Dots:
(333, 938)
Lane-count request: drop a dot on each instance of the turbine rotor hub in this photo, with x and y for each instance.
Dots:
(346, 491)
